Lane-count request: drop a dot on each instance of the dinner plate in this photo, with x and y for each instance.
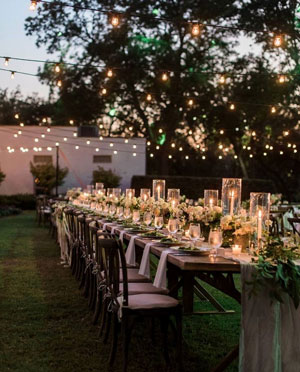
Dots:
(194, 252)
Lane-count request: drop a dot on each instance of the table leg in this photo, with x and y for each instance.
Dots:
(187, 291)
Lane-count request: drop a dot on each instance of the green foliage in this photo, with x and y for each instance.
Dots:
(276, 270)
(45, 176)
(108, 177)
(2, 177)
(9, 211)
(20, 201)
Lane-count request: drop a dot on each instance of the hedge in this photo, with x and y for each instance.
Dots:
(9, 211)
(193, 187)
(21, 201)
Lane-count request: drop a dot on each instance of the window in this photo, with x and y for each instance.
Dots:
(102, 159)
(42, 159)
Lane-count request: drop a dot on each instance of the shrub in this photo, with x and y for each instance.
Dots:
(193, 187)
(2, 176)
(45, 176)
(9, 211)
(21, 201)
(107, 177)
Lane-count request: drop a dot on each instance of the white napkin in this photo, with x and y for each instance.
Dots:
(113, 229)
(145, 263)
(122, 236)
(105, 225)
(130, 253)
(160, 280)
(243, 258)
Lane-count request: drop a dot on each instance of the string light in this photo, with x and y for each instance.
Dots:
(97, 149)
(232, 106)
(286, 133)
(281, 152)
(164, 76)
(111, 144)
(21, 124)
(134, 154)
(157, 147)
(115, 152)
(104, 91)
(187, 157)
(59, 83)
(71, 122)
(148, 97)
(88, 142)
(115, 21)
(235, 156)
(151, 155)
(65, 139)
(170, 156)
(221, 131)
(160, 130)
(222, 79)
(148, 143)
(273, 110)
(190, 102)
(44, 120)
(126, 140)
(173, 145)
(196, 29)
(12, 75)
(17, 116)
(281, 79)
(48, 130)
(180, 148)
(57, 68)
(76, 147)
(6, 61)
(277, 41)
(134, 146)
(109, 73)
(74, 134)
(203, 157)
(33, 5)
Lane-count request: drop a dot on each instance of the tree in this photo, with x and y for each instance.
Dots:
(223, 128)
(107, 177)
(45, 176)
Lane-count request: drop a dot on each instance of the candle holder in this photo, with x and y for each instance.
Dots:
(260, 208)
(174, 197)
(90, 189)
(211, 198)
(99, 185)
(101, 192)
(117, 193)
(110, 192)
(145, 194)
(130, 193)
(231, 195)
(159, 189)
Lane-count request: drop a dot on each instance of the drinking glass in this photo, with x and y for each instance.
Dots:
(194, 232)
(120, 211)
(112, 210)
(215, 240)
(173, 226)
(158, 222)
(147, 218)
(127, 213)
(136, 216)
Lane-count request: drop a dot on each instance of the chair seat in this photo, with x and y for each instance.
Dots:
(134, 276)
(150, 301)
(142, 288)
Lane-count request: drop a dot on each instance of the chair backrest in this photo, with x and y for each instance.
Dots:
(109, 249)
(294, 222)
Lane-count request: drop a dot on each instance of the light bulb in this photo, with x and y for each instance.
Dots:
(281, 79)
(6, 62)
(232, 107)
(57, 68)
(187, 157)
(149, 97)
(196, 29)
(109, 73)
(273, 110)
(222, 79)
(33, 5)
(221, 131)
(48, 130)
(76, 147)
(104, 91)
(115, 21)
(151, 155)
(71, 122)
(170, 156)
(59, 83)
(190, 102)
(277, 41)
(164, 76)
(12, 75)
(17, 116)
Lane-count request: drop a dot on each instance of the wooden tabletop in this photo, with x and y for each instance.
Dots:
(188, 262)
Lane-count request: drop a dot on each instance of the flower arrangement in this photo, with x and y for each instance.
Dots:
(276, 269)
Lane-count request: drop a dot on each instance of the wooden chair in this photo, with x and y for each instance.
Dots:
(123, 308)
(294, 221)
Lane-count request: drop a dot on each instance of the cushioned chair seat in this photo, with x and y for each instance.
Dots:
(134, 276)
(150, 301)
(141, 288)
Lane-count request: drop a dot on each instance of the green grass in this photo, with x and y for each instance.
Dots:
(45, 324)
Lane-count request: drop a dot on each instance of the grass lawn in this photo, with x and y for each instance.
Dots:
(45, 324)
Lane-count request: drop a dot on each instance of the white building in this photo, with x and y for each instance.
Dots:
(81, 155)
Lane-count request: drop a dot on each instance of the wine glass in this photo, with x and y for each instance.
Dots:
(215, 240)
(136, 216)
(147, 218)
(127, 213)
(120, 211)
(173, 226)
(194, 232)
(158, 222)
(112, 210)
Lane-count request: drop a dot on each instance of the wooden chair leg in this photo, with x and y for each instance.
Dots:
(126, 341)
(103, 317)
(98, 306)
(107, 328)
(114, 344)
(91, 291)
(87, 283)
(164, 322)
(178, 318)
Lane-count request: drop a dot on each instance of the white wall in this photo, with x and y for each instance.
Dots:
(16, 165)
